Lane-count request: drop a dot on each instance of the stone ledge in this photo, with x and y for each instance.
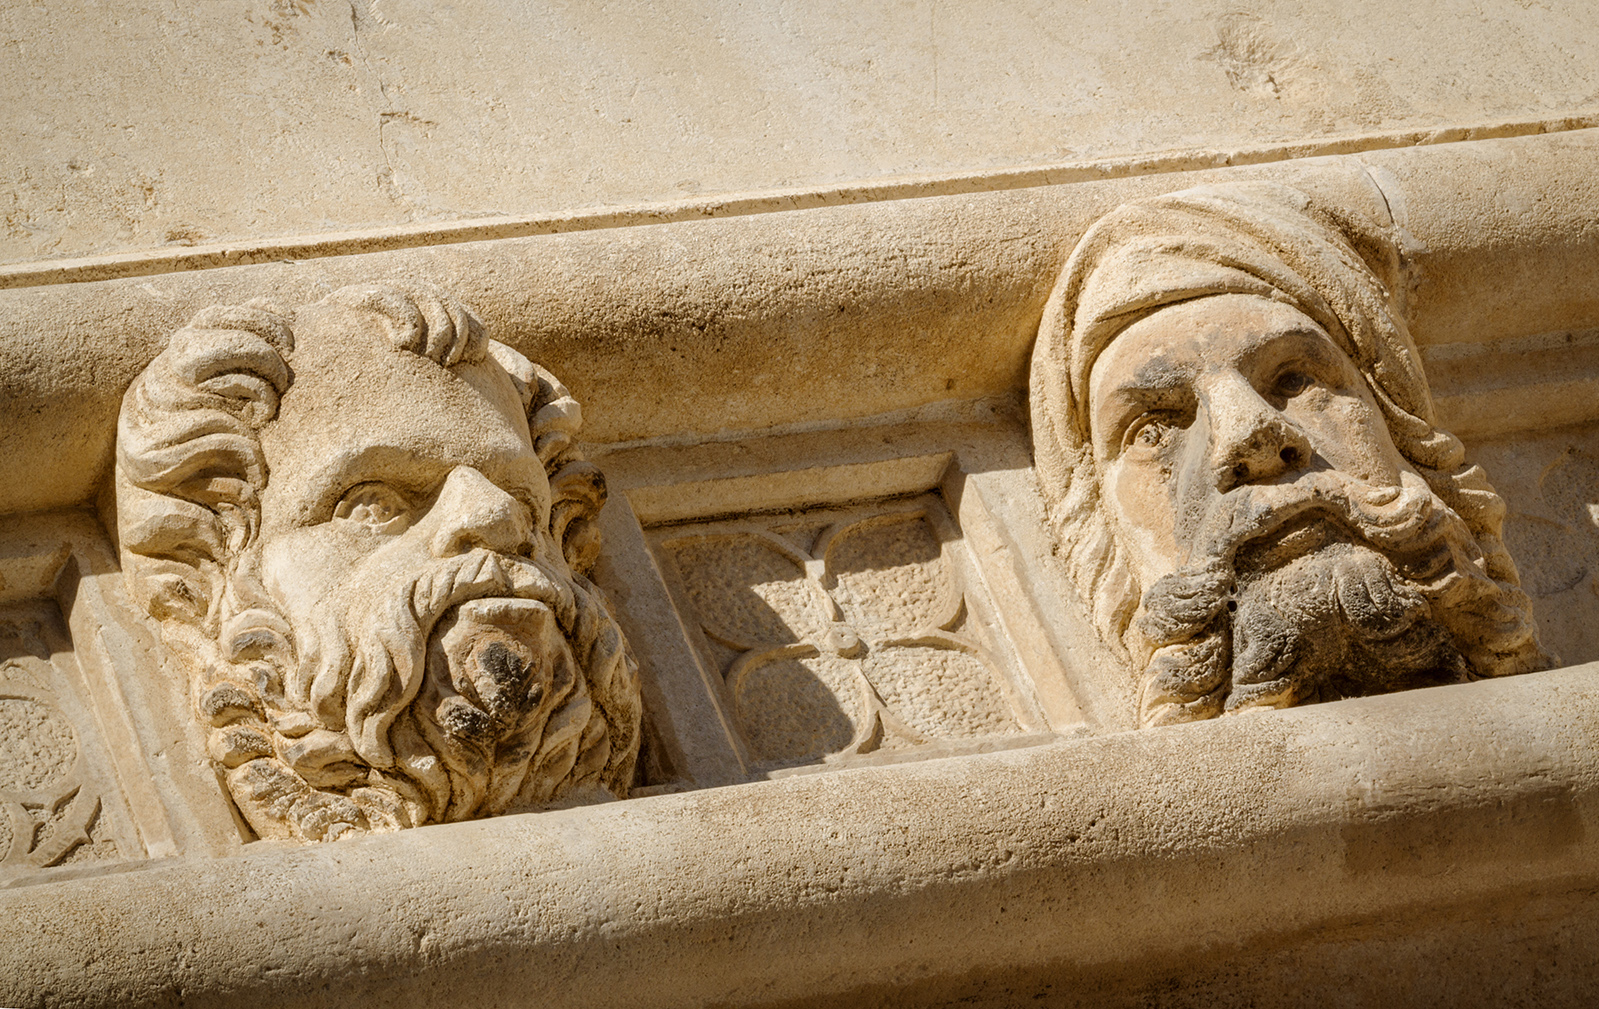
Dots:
(1091, 857)
(832, 315)
(298, 248)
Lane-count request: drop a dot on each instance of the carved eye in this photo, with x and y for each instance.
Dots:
(1151, 431)
(1291, 383)
(375, 505)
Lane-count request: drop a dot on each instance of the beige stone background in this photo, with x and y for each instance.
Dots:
(136, 124)
(1432, 848)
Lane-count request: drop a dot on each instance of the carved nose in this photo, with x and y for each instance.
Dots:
(1251, 440)
(474, 513)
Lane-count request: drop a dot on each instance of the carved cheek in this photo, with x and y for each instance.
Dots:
(1351, 434)
(1142, 499)
(1191, 481)
(304, 568)
(296, 568)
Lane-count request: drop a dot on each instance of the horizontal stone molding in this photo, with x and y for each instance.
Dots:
(820, 316)
(212, 255)
(1117, 856)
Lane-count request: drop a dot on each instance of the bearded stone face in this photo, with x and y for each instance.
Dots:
(364, 531)
(1287, 552)
(436, 628)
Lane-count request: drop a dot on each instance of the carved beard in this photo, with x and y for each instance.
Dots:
(462, 686)
(1324, 588)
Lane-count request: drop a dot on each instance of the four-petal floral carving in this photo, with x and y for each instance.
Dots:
(841, 636)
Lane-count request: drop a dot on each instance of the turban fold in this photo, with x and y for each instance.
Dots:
(1257, 238)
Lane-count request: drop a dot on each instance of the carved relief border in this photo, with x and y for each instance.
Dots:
(76, 782)
(933, 605)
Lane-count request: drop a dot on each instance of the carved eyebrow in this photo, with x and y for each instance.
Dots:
(373, 464)
(1125, 403)
(1155, 377)
(417, 477)
(1308, 342)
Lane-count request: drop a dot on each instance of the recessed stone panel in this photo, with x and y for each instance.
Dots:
(840, 632)
(58, 801)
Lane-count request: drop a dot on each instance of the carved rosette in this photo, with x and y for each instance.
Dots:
(48, 803)
(840, 637)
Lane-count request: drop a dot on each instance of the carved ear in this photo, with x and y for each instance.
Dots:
(553, 416)
(554, 419)
(577, 488)
(577, 493)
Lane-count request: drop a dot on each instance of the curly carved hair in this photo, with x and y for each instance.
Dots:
(186, 497)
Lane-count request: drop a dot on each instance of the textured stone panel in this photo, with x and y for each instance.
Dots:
(54, 805)
(840, 631)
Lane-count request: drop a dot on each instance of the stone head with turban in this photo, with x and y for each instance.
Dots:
(1235, 439)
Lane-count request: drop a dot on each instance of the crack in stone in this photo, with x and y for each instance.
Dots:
(387, 177)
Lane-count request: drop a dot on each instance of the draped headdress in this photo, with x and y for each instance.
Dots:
(1259, 238)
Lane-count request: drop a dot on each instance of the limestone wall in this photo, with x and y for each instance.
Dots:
(553, 506)
(139, 127)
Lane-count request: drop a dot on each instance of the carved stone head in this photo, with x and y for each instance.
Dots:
(1236, 441)
(365, 531)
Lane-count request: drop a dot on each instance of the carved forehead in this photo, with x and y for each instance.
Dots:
(1171, 345)
(353, 393)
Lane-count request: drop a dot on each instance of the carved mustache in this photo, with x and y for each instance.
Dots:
(483, 574)
(1183, 603)
(1387, 516)
(388, 642)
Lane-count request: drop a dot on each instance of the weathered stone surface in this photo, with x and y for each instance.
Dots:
(1239, 449)
(246, 119)
(363, 529)
(1344, 840)
(941, 300)
(842, 631)
(818, 695)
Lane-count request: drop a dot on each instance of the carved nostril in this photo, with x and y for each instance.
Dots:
(1241, 472)
(1290, 456)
